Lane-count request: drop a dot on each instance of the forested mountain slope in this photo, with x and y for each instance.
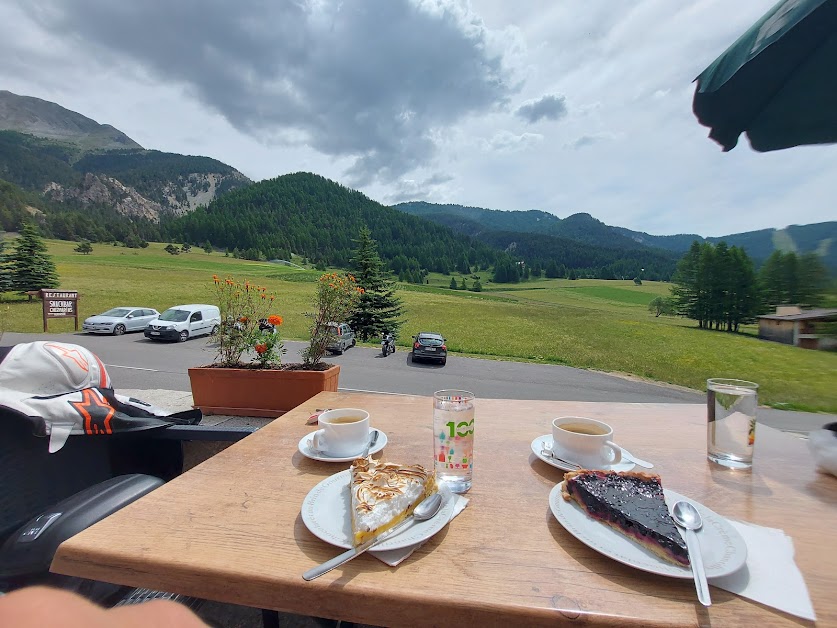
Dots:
(309, 215)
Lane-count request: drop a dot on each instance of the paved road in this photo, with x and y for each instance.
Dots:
(140, 364)
(136, 362)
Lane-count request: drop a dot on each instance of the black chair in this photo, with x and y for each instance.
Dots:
(46, 498)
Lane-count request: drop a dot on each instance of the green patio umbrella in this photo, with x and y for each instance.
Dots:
(777, 83)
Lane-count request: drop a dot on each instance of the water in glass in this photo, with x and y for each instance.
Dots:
(453, 438)
(731, 427)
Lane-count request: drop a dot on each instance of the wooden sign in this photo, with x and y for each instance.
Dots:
(60, 304)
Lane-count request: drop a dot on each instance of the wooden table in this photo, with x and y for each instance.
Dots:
(230, 529)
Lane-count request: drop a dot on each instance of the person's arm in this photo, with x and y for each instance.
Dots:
(34, 607)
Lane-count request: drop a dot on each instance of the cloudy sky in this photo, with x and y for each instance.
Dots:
(558, 105)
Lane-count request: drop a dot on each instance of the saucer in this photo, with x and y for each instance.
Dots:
(309, 452)
(546, 439)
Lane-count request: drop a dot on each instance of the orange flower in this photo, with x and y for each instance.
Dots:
(243, 319)
(273, 319)
(260, 348)
(272, 297)
(262, 296)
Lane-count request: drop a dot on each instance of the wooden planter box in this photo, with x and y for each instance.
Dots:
(262, 393)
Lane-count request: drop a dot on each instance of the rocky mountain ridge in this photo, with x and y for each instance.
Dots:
(71, 160)
(42, 118)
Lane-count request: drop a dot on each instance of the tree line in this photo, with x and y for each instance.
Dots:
(718, 286)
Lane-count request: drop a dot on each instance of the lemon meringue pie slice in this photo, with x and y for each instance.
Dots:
(384, 494)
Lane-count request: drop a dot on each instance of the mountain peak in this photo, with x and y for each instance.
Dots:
(42, 118)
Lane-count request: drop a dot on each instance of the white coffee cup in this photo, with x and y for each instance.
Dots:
(584, 441)
(345, 432)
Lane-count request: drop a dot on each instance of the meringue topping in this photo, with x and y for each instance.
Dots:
(384, 493)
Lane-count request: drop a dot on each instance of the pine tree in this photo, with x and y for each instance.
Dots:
(716, 286)
(453, 284)
(786, 278)
(379, 309)
(5, 271)
(30, 267)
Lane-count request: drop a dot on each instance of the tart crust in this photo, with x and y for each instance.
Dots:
(655, 531)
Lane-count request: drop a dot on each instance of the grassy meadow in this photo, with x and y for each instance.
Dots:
(592, 324)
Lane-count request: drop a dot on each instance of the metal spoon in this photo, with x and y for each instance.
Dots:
(687, 516)
(372, 440)
(427, 509)
(626, 455)
(546, 452)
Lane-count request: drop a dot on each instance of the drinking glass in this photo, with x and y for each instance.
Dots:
(731, 422)
(453, 438)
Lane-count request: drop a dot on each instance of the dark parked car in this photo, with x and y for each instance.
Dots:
(429, 346)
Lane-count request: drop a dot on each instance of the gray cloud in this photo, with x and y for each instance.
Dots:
(367, 81)
(427, 189)
(505, 141)
(548, 107)
(589, 140)
(584, 140)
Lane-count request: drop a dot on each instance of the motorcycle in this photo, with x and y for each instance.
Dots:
(387, 345)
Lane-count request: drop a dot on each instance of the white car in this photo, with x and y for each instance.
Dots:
(119, 320)
(182, 322)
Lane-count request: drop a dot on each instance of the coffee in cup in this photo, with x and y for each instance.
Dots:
(584, 441)
(345, 432)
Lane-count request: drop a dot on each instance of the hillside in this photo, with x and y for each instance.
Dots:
(95, 176)
(820, 238)
(588, 260)
(42, 118)
(578, 241)
(475, 220)
(314, 217)
(145, 183)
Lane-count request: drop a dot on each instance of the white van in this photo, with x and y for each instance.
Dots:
(182, 322)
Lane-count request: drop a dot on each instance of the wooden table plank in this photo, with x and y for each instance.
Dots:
(230, 529)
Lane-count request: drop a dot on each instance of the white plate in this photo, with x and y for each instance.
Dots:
(722, 547)
(546, 440)
(326, 513)
(308, 451)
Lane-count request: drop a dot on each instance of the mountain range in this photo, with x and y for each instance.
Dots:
(85, 180)
(582, 227)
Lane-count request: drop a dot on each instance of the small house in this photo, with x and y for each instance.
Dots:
(801, 328)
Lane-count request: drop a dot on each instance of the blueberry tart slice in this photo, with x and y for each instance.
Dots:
(631, 503)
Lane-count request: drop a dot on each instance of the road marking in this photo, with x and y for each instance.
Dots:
(377, 392)
(133, 368)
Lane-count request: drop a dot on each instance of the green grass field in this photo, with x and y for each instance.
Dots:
(592, 324)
